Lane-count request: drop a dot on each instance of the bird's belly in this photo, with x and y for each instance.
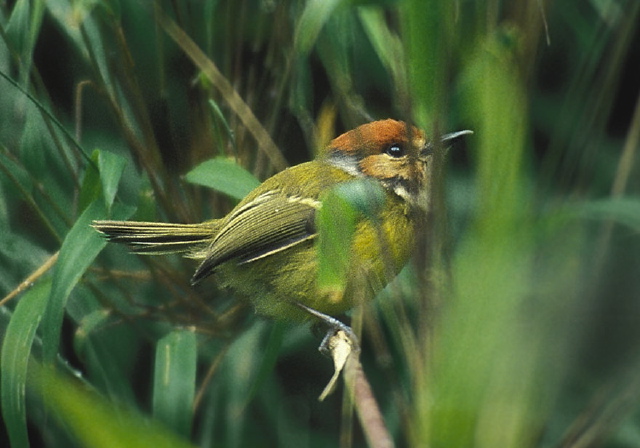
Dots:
(274, 283)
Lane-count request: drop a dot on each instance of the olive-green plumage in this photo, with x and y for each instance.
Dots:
(265, 248)
(288, 271)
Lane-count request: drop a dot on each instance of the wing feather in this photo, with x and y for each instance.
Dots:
(270, 223)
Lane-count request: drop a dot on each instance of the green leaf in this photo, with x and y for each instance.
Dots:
(16, 349)
(16, 172)
(23, 28)
(94, 421)
(427, 57)
(82, 244)
(86, 326)
(111, 168)
(218, 113)
(336, 222)
(386, 43)
(316, 13)
(240, 370)
(223, 175)
(497, 109)
(174, 380)
(269, 357)
(102, 177)
(624, 211)
(91, 185)
(80, 247)
(481, 330)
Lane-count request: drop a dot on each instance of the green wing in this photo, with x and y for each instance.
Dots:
(268, 224)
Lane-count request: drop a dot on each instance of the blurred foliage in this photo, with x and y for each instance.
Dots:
(517, 324)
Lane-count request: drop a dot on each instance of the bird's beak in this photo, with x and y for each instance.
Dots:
(446, 141)
(449, 139)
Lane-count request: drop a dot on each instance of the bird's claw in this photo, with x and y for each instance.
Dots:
(339, 343)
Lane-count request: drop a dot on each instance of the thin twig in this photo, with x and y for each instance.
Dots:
(623, 172)
(204, 386)
(614, 402)
(231, 97)
(373, 426)
(31, 279)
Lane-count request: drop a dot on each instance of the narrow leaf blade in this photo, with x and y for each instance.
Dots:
(16, 349)
(94, 421)
(80, 247)
(174, 380)
(225, 176)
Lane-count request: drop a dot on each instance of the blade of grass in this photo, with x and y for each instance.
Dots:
(22, 31)
(224, 175)
(49, 116)
(315, 15)
(111, 168)
(427, 34)
(623, 172)
(101, 177)
(174, 381)
(337, 222)
(16, 349)
(93, 421)
(621, 210)
(231, 97)
(86, 326)
(233, 387)
(225, 123)
(25, 184)
(79, 248)
(269, 359)
(477, 368)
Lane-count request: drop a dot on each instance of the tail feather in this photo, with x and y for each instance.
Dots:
(156, 238)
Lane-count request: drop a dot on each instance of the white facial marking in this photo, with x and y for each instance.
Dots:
(346, 163)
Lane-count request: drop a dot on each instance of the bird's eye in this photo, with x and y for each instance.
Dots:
(395, 150)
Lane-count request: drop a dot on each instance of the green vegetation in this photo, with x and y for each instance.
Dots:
(518, 322)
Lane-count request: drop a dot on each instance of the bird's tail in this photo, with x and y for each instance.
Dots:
(157, 238)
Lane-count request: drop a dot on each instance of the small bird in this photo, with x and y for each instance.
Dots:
(265, 249)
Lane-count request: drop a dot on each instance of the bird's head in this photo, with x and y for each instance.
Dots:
(390, 151)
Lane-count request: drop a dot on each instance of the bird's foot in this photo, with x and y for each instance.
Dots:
(334, 328)
(339, 343)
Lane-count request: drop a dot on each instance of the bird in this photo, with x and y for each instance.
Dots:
(266, 248)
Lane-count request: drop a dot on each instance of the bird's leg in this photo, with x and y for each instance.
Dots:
(340, 343)
(335, 326)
